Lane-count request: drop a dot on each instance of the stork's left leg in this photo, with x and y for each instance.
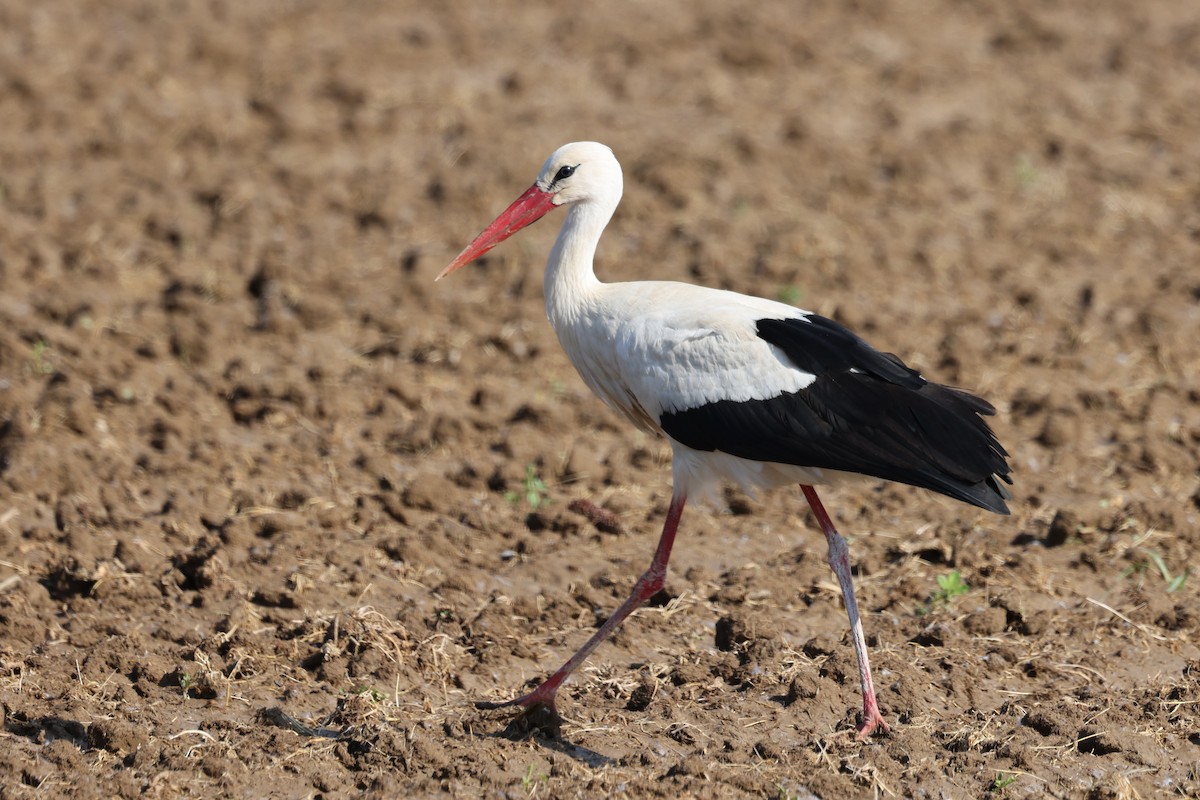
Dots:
(839, 559)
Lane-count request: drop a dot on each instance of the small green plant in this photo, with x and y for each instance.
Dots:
(1174, 582)
(1026, 172)
(39, 358)
(373, 694)
(950, 586)
(186, 683)
(784, 794)
(1003, 781)
(533, 489)
(790, 294)
(531, 780)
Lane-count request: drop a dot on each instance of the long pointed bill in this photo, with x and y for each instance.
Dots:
(525, 210)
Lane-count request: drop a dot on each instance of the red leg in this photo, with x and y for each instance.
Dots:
(839, 559)
(539, 703)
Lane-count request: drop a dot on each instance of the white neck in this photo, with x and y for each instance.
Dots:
(570, 280)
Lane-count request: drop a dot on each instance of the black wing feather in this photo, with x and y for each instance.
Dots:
(866, 412)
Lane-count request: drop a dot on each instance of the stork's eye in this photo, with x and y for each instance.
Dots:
(563, 173)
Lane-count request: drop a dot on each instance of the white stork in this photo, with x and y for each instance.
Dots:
(745, 389)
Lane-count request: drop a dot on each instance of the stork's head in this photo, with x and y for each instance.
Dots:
(580, 171)
(574, 173)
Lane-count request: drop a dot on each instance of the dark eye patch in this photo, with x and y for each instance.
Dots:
(563, 173)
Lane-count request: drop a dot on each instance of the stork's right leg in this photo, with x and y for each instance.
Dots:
(539, 705)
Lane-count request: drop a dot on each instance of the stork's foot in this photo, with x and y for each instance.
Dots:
(872, 720)
(871, 724)
(535, 715)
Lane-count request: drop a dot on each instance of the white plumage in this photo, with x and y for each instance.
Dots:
(747, 390)
(690, 346)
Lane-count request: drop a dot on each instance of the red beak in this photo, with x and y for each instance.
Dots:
(525, 210)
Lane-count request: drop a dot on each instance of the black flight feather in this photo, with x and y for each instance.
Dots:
(866, 413)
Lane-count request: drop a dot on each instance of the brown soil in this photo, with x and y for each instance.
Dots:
(268, 516)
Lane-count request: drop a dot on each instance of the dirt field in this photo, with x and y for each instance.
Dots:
(275, 507)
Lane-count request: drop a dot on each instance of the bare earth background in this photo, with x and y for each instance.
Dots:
(274, 507)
